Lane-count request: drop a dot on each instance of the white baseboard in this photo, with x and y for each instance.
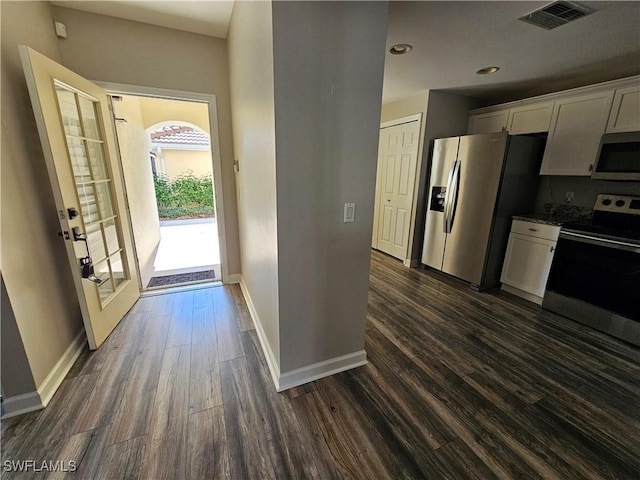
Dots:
(233, 278)
(322, 369)
(413, 263)
(50, 384)
(274, 368)
(302, 375)
(29, 402)
(21, 404)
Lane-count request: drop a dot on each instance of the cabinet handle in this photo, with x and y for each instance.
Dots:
(591, 167)
(533, 229)
(552, 249)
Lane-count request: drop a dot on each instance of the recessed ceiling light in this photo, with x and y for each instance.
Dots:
(487, 70)
(400, 49)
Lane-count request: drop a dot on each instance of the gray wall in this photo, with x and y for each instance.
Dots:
(328, 69)
(35, 268)
(251, 73)
(553, 188)
(122, 51)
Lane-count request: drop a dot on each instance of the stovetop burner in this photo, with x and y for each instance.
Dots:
(614, 216)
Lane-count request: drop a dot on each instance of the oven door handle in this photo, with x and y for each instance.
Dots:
(603, 242)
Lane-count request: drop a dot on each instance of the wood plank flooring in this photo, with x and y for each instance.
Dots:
(460, 385)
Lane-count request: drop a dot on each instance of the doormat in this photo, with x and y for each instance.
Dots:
(182, 278)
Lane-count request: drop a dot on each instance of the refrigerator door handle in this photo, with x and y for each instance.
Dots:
(453, 198)
(447, 199)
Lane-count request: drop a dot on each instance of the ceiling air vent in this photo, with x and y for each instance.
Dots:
(556, 14)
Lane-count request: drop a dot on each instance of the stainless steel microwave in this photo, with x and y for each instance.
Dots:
(618, 157)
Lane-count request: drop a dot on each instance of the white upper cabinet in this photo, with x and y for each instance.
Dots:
(577, 124)
(625, 112)
(534, 118)
(575, 121)
(490, 122)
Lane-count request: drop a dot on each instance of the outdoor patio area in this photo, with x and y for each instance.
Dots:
(188, 247)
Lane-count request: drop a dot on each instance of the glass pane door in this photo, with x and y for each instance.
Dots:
(94, 188)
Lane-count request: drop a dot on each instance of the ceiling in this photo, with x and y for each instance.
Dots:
(207, 17)
(452, 40)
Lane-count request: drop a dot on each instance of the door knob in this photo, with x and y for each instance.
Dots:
(94, 279)
(88, 271)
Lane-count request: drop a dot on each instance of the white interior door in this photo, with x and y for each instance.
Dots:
(78, 142)
(398, 155)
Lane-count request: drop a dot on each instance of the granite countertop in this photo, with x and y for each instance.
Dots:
(541, 218)
(557, 214)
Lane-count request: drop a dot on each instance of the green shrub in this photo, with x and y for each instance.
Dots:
(186, 196)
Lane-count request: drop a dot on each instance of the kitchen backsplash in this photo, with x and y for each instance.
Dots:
(552, 190)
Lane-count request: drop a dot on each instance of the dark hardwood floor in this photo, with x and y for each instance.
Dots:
(459, 385)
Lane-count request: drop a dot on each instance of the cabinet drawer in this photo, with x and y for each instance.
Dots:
(538, 230)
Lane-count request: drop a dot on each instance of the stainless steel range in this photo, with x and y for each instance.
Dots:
(595, 276)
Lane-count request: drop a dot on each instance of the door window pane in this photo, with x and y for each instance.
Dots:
(79, 162)
(96, 158)
(88, 207)
(111, 234)
(89, 121)
(68, 111)
(117, 269)
(105, 289)
(97, 252)
(104, 199)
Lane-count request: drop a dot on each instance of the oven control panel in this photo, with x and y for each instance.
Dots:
(618, 204)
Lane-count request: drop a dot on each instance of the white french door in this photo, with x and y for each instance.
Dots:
(78, 141)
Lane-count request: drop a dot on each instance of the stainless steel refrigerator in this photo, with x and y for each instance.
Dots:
(477, 183)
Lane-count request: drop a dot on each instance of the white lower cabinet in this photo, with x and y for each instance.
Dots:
(528, 259)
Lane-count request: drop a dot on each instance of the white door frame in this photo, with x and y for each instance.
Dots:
(376, 208)
(211, 101)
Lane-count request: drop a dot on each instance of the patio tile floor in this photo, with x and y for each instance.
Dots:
(187, 246)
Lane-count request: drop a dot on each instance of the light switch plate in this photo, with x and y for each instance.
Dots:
(349, 212)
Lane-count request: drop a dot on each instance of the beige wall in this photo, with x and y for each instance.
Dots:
(35, 268)
(182, 161)
(251, 74)
(158, 110)
(136, 166)
(407, 106)
(328, 69)
(123, 51)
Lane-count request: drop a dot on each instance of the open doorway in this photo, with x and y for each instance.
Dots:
(167, 158)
